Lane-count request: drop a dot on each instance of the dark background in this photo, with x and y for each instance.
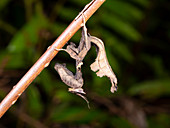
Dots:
(136, 34)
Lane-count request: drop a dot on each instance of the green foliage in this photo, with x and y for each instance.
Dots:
(120, 123)
(34, 102)
(4, 3)
(151, 89)
(27, 34)
(160, 121)
(77, 114)
(135, 34)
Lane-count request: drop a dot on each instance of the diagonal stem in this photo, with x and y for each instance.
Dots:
(45, 59)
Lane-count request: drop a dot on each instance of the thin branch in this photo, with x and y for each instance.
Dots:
(45, 59)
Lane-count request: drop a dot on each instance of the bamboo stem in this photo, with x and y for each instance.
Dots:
(45, 59)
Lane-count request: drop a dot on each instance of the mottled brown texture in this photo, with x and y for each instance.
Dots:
(101, 63)
(75, 81)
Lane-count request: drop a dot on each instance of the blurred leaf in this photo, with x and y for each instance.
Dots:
(77, 114)
(70, 114)
(159, 121)
(57, 28)
(118, 122)
(3, 3)
(151, 89)
(64, 95)
(163, 119)
(123, 51)
(28, 35)
(22, 45)
(113, 61)
(101, 85)
(16, 61)
(114, 45)
(7, 27)
(124, 9)
(142, 2)
(156, 64)
(46, 81)
(2, 94)
(95, 115)
(80, 3)
(34, 102)
(122, 27)
(68, 13)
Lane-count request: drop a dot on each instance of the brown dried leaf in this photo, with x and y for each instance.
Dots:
(101, 64)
